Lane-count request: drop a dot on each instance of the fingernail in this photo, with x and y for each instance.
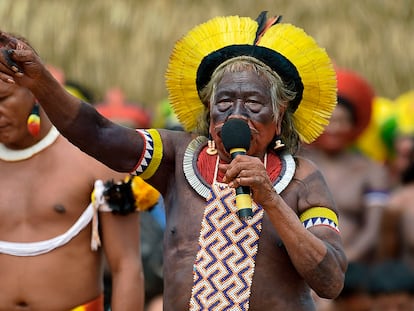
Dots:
(19, 74)
(14, 68)
(10, 81)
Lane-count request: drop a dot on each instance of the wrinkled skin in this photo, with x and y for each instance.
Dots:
(290, 259)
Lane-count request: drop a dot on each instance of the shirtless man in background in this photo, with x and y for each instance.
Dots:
(46, 261)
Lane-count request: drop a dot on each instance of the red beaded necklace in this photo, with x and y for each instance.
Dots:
(206, 166)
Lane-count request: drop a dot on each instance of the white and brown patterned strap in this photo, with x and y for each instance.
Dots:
(224, 266)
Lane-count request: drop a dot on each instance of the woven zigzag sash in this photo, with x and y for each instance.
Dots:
(224, 266)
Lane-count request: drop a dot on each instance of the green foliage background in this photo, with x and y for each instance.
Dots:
(126, 43)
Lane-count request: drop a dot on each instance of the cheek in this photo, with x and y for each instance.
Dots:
(267, 117)
(217, 117)
(214, 133)
(265, 134)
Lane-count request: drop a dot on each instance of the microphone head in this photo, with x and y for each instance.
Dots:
(235, 133)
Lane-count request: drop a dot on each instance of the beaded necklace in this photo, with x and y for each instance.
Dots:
(10, 155)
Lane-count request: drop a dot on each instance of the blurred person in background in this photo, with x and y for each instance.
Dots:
(360, 185)
(397, 234)
(376, 139)
(400, 135)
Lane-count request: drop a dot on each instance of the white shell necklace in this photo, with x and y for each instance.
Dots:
(11, 155)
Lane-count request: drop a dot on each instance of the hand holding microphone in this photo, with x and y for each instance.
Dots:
(236, 135)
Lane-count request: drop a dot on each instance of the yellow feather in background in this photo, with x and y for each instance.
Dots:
(317, 74)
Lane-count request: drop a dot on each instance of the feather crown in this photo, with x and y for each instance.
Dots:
(286, 49)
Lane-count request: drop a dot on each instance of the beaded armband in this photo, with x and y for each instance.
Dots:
(151, 155)
(376, 198)
(319, 216)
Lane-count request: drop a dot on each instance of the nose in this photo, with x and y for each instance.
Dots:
(239, 110)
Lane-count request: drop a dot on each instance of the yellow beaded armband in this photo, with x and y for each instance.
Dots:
(152, 154)
(319, 216)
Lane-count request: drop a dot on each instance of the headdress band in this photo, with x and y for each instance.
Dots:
(276, 61)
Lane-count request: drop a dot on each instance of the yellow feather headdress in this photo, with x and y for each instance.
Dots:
(285, 48)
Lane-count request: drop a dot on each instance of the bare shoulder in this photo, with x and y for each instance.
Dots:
(174, 144)
(313, 190)
(78, 161)
(175, 140)
(304, 167)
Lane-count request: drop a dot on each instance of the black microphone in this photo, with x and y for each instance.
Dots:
(236, 135)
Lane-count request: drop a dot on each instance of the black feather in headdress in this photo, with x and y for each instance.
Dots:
(264, 24)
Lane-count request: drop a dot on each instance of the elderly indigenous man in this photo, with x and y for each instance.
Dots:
(49, 255)
(269, 76)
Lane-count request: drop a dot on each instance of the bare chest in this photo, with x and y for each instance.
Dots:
(35, 197)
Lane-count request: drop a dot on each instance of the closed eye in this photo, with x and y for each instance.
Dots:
(224, 105)
(254, 106)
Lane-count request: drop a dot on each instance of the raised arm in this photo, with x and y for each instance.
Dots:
(116, 146)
